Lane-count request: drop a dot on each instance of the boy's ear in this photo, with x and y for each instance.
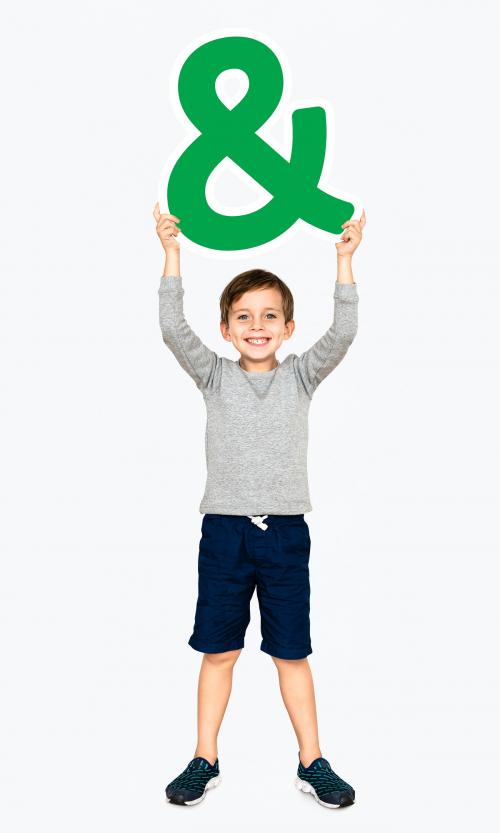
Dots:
(225, 331)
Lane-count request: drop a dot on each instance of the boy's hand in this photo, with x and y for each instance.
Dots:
(352, 235)
(166, 229)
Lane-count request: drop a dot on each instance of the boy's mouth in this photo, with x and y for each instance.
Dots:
(257, 342)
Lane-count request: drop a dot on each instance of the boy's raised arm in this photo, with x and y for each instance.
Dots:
(194, 357)
(318, 361)
(315, 364)
(201, 363)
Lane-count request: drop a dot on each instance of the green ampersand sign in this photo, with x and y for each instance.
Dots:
(231, 133)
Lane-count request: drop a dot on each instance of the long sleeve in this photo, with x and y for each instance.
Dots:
(318, 361)
(201, 363)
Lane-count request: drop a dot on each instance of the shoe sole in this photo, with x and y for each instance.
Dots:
(208, 786)
(306, 787)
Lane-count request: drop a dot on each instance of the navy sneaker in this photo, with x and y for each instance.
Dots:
(190, 786)
(324, 784)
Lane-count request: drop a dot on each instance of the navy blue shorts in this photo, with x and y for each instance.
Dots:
(236, 555)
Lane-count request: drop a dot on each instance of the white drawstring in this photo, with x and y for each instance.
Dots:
(258, 520)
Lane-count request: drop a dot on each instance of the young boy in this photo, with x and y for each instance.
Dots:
(254, 534)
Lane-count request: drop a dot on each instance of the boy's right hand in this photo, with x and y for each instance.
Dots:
(166, 229)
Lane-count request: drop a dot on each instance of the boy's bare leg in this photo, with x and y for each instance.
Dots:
(214, 687)
(297, 690)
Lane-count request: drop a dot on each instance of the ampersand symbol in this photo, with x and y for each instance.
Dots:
(231, 133)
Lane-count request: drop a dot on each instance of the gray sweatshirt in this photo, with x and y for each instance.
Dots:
(257, 422)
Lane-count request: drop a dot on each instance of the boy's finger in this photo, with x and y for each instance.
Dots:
(166, 224)
(157, 214)
(351, 233)
(360, 222)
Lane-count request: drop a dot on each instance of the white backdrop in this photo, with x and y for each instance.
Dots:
(102, 456)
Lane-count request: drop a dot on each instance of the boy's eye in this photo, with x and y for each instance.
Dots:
(243, 315)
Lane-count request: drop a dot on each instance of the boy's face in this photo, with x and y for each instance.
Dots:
(257, 324)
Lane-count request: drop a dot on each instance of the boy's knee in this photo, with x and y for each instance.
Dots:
(280, 662)
(224, 657)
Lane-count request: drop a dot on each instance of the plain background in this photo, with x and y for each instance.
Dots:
(103, 433)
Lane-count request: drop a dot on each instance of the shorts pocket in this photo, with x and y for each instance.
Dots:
(295, 539)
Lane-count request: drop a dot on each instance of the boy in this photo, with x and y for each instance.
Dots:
(256, 452)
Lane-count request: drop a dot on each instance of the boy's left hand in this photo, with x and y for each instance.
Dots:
(352, 236)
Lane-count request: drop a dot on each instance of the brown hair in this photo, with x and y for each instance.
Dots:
(254, 279)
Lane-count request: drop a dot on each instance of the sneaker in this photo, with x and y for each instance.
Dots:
(325, 785)
(190, 786)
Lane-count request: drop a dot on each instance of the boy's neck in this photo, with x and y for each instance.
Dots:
(259, 367)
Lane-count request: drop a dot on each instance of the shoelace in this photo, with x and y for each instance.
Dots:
(323, 778)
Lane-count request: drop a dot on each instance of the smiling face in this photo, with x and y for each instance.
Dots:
(257, 327)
